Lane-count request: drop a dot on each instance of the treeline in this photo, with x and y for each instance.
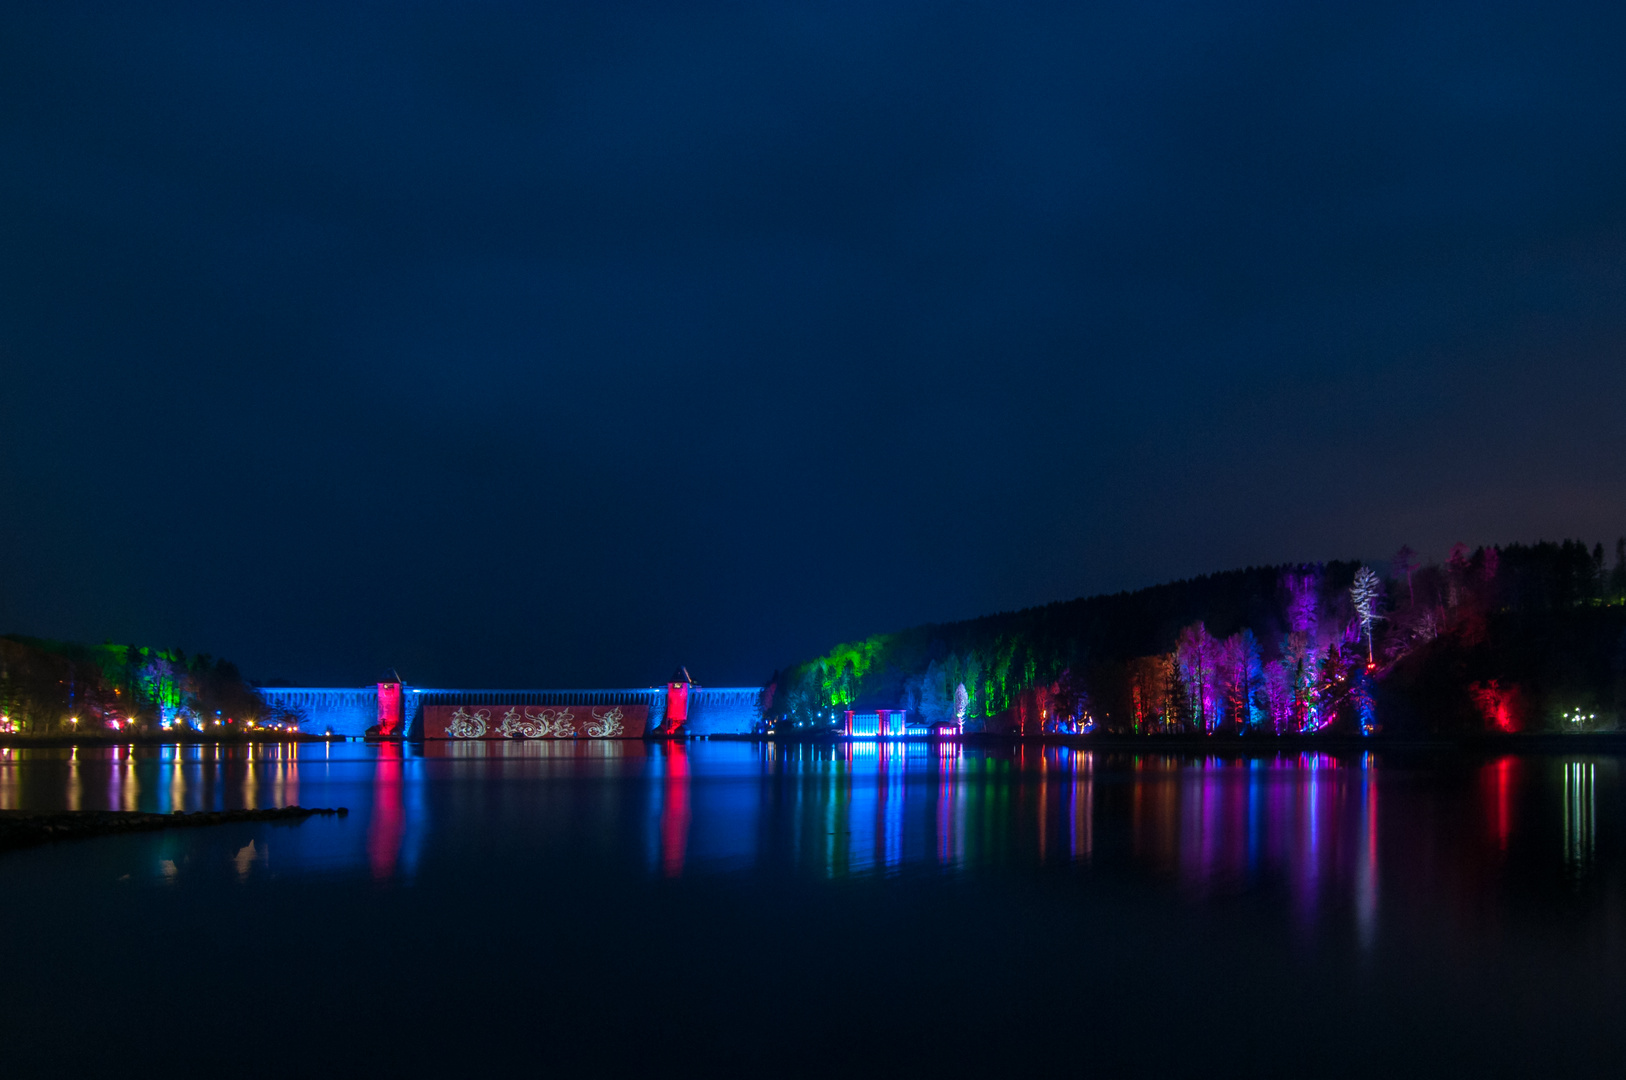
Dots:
(59, 687)
(1523, 637)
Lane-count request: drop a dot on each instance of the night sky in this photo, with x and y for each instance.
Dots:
(555, 347)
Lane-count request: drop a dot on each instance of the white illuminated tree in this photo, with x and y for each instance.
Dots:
(962, 701)
(1364, 592)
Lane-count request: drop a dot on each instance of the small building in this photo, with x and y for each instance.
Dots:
(891, 724)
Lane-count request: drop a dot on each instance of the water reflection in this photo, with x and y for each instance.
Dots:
(385, 829)
(1580, 806)
(151, 778)
(671, 766)
(1317, 897)
(1348, 837)
(1500, 779)
(1366, 866)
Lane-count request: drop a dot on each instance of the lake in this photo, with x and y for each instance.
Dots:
(734, 907)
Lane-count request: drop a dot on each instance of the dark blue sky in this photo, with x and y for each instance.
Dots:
(519, 346)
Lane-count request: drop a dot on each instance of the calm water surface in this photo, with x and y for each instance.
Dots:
(594, 907)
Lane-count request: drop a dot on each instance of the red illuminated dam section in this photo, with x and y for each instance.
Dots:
(400, 710)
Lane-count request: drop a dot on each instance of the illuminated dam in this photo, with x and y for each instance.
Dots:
(400, 710)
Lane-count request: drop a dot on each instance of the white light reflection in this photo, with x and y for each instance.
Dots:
(1366, 864)
(1580, 806)
(1081, 816)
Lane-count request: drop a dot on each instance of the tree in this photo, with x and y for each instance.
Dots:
(936, 697)
(1154, 693)
(1197, 654)
(1301, 663)
(1242, 678)
(1069, 701)
(1404, 562)
(972, 681)
(1278, 693)
(1365, 592)
(1303, 601)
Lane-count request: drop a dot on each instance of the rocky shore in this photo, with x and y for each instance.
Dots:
(25, 828)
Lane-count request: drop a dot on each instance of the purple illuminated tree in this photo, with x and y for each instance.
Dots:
(1278, 694)
(1197, 655)
(1303, 601)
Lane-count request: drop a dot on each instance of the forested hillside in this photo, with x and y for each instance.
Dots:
(1515, 638)
(57, 687)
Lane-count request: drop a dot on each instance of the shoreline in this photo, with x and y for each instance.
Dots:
(29, 828)
(1602, 741)
(165, 739)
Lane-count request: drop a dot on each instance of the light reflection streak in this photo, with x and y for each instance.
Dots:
(251, 778)
(385, 827)
(950, 851)
(1366, 866)
(674, 818)
(891, 809)
(1082, 817)
(171, 795)
(1308, 856)
(415, 807)
(1501, 787)
(1044, 801)
(131, 799)
(285, 774)
(1256, 816)
(1580, 815)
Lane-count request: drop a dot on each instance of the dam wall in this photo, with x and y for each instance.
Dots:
(426, 712)
(325, 710)
(730, 710)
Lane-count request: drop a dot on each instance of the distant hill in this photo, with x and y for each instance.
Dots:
(1515, 638)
